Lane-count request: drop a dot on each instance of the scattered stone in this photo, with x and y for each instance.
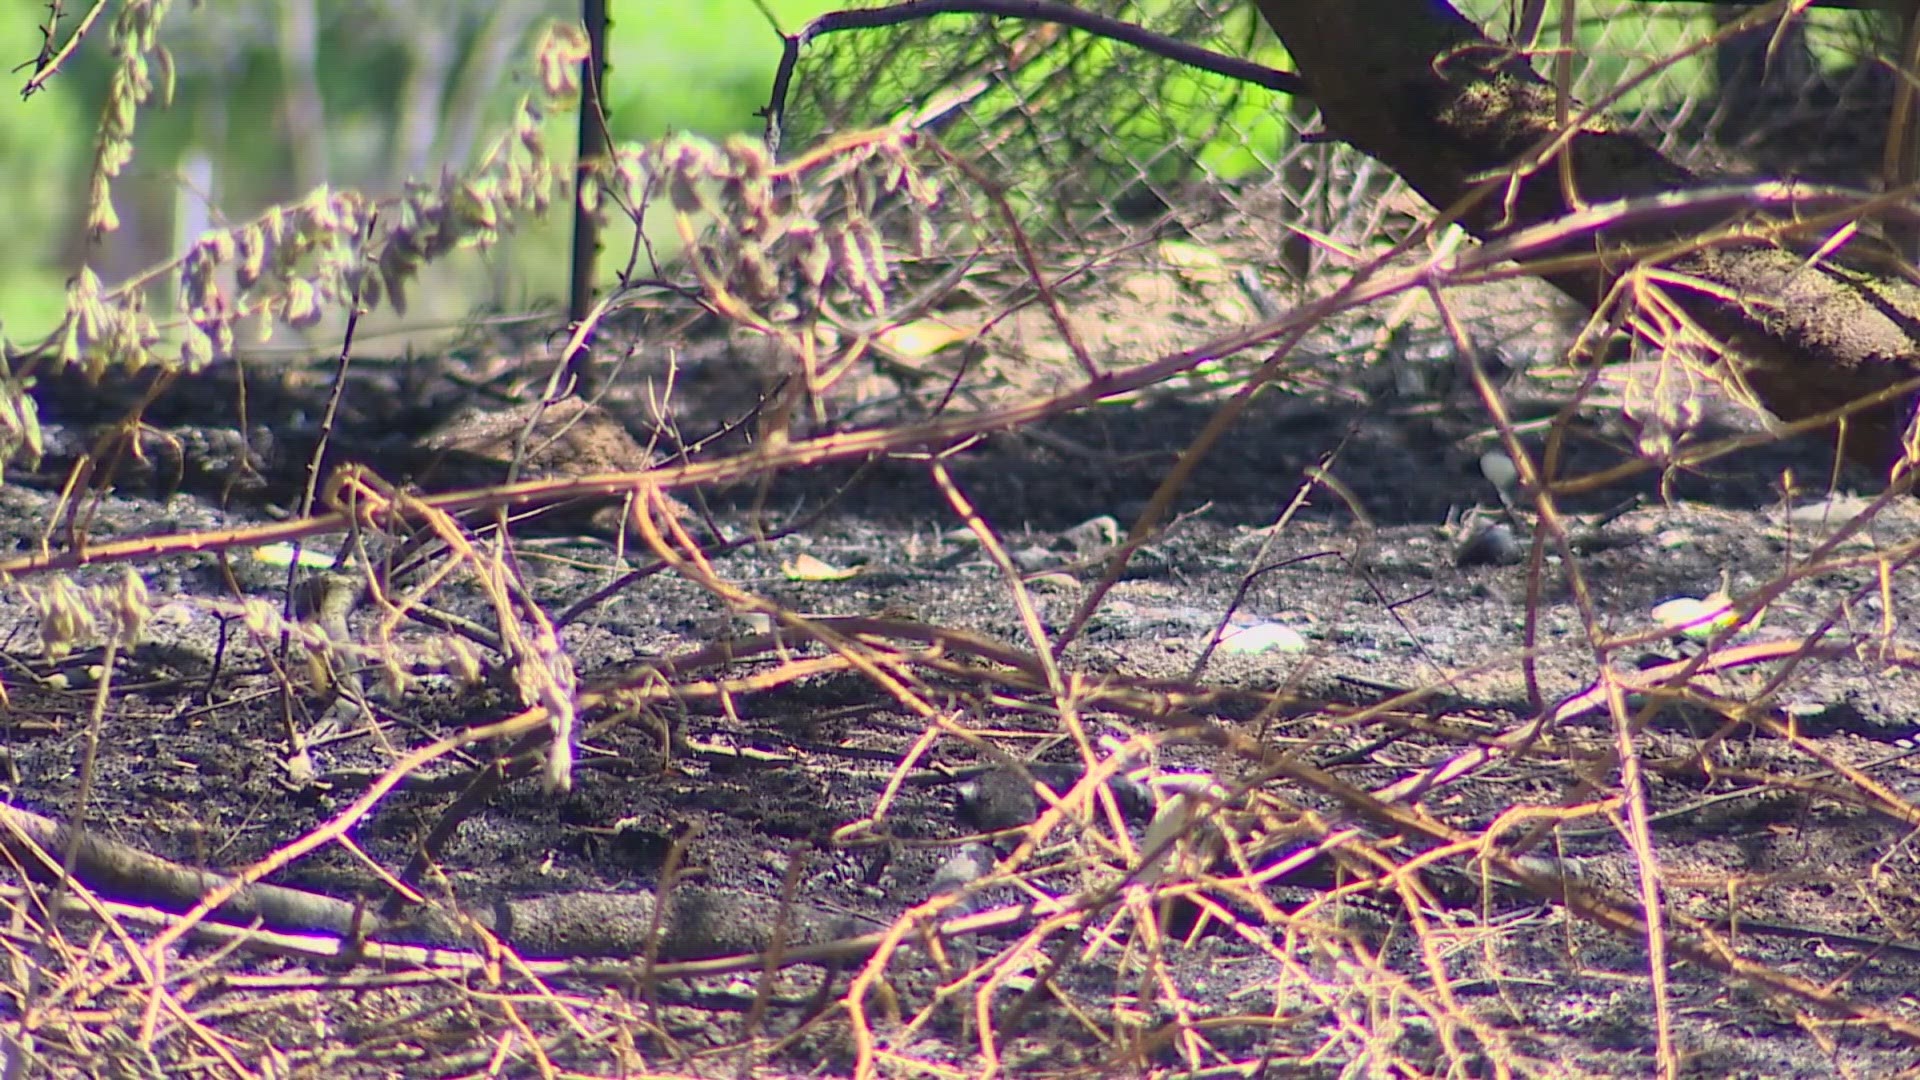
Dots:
(1033, 558)
(1491, 545)
(1694, 618)
(996, 800)
(1093, 535)
(1261, 637)
(966, 866)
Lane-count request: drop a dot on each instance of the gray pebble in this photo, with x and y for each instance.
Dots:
(1494, 545)
(998, 799)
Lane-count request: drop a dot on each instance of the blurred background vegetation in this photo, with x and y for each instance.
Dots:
(275, 97)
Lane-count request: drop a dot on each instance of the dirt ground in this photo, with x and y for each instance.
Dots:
(1791, 852)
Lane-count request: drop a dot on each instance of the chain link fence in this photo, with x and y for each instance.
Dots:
(1102, 151)
(1102, 140)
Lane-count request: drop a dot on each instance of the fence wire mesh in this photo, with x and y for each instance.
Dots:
(1103, 151)
(1100, 140)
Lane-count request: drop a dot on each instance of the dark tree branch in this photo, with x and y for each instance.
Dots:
(1051, 11)
(586, 224)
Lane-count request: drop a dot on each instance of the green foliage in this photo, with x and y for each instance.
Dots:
(335, 249)
(1616, 41)
(1233, 130)
(1077, 123)
(41, 142)
(703, 67)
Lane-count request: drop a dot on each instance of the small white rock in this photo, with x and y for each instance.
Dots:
(1694, 618)
(1262, 637)
(1499, 470)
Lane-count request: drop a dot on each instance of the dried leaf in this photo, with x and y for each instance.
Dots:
(808, 568)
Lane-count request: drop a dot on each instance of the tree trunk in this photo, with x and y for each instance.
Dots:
(1418, 87)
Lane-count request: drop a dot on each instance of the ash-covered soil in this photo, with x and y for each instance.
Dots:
(1771, 846)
